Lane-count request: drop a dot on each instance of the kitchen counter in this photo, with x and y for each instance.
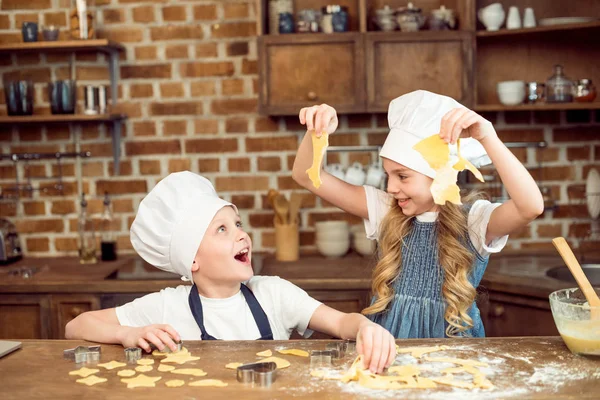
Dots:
(520, 368)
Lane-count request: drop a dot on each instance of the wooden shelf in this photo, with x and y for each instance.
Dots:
(101, 45)
(42, 119)
(539, 29)
(539, 107)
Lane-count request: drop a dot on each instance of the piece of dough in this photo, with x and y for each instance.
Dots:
(179, 358)
(281, 363)
(189, 371)
(159, 353)
(141, 381)
(404, 370)
(91, 380)
(144, 368)
(126, 373)
(112, 365)
(325, 374)
(209, 382)
(165, 368)
(459, 361)
(84, 372)
(418, 352)
(294, 352)
(174, 383)
(233, 365)
(449, 380)
(145, 361)
(266, 353)
(319, 145)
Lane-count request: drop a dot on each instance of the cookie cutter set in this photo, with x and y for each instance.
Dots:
(258, 374)
(333, 352)
(83, 354)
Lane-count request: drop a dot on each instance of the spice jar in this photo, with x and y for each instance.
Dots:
(559, 88)
(584, 91)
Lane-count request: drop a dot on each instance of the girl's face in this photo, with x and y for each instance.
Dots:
(224, 255)
(409, 188)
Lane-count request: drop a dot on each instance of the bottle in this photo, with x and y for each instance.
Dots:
(108, 242)
(559, 88)
(87, 237)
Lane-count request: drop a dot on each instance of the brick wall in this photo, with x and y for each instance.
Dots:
(189, 86)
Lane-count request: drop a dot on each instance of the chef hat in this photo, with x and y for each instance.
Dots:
(172, 219)
(415, 116)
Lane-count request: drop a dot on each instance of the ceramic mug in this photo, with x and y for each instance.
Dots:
(336, 170)
(355, 175)
(375, 175)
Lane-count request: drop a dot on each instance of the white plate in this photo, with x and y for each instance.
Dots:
(592, 193)
(565, 20)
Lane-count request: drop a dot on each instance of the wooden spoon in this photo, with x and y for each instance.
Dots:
(295, 203)
(584, 284)
(282, 208)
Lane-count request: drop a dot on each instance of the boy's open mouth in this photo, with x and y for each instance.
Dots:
(242, 256)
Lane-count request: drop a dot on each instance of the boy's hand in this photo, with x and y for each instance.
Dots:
(160, 335)
(462, 122)
(321, 119)
(376, 345)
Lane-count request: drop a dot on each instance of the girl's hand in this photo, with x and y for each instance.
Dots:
(160, 335)
(377, 347)
(321, 119)
(462, 122)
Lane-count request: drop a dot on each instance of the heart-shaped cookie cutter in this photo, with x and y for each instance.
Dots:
(260, 373)
(83, 354)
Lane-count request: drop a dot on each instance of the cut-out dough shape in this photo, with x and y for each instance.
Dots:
(159, 353)
(404, 370)
(449, 380)
(91, 380)
(459, 361)
(266, 353)
(126, 373)
(209, 382)
(281, 363)
(319, 145)
(189, 371)
(84, 372)
(179, 358)
(141, 381)
(144, 368)
(174, 383)
(145, 361)
(165, 368)
(437, 154)
(418, 352)
(325, 374)
(233, 365)
(294, 352)
(112, 365)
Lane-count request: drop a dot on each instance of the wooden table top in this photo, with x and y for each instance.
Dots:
(520, 368)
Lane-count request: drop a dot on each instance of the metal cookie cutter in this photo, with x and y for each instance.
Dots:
(132, 354)
(83, 354)
(260, 374)
(339, 349)
(321, 358)
(167, 349)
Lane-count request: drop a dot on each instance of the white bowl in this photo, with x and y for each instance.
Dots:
(364, 246)
(333, 248)
(492, 16)
(511, 93)
(510, 86)
(358, 229)
(333, 235)
(328, 226)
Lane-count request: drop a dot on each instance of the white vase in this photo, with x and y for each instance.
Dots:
(492, 16)
(514, 18)
(529, 18)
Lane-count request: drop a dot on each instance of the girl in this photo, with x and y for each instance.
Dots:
(431, 257)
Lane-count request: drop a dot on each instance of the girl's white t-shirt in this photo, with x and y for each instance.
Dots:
(379, 202)
(287, 307)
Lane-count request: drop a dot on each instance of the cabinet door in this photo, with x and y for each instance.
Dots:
(302, 70)
(508, 315)
(401, 63)
(67, 307)
(24, 317)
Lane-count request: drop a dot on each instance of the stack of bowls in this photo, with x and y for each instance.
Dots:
(361, 244)
(511, 93)
(332, 238)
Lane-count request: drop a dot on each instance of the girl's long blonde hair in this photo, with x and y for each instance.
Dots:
(454, 257)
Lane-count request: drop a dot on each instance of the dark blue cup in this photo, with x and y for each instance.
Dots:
(11, 95)
(25, 97)
(339, 20)
(29, 30)
(286, 23)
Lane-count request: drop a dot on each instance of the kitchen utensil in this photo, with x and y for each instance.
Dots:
(375, 175)
(50, 33)
(286, 23)
(295, 203)
(341, 348)
(410, 18)
(511, 93)
(339, 17)
(132, 354)
(260, 373)
(569, 258)
(83, 354)
(336, 170)
(592, 193)
(565, 20)
(11, 96)
(559, 88)
(167, 349)
(25, 97)
(385, 19)
(513, 21)
(10, 245)
(585, 91)
(492, 16)
(355, 174)
(62, 95)
(282, 208)
(287, 242)
(535, 92)
(29, 31)
(529, 18)
(333, 248)
(102, 99)
(91, 100)
(271, 194)
(321, 359)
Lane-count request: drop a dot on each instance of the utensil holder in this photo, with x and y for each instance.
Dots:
(287, 243)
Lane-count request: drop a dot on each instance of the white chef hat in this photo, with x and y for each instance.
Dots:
(172, 219)
(415, 116)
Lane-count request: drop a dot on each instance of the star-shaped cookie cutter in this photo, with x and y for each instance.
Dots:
(83, 354)
(132, 354)
(260, 373)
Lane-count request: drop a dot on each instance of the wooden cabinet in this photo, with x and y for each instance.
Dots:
(67, 307)
(434, 61)
(311, 71)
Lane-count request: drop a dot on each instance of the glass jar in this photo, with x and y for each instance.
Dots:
(338, 15)
(584, 91)
(559, 88)
(410, 18)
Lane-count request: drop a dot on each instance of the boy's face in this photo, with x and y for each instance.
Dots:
(225, 252)
(411, 189)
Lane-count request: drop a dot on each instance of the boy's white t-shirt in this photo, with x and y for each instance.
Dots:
(379, 202)
(287, 307)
